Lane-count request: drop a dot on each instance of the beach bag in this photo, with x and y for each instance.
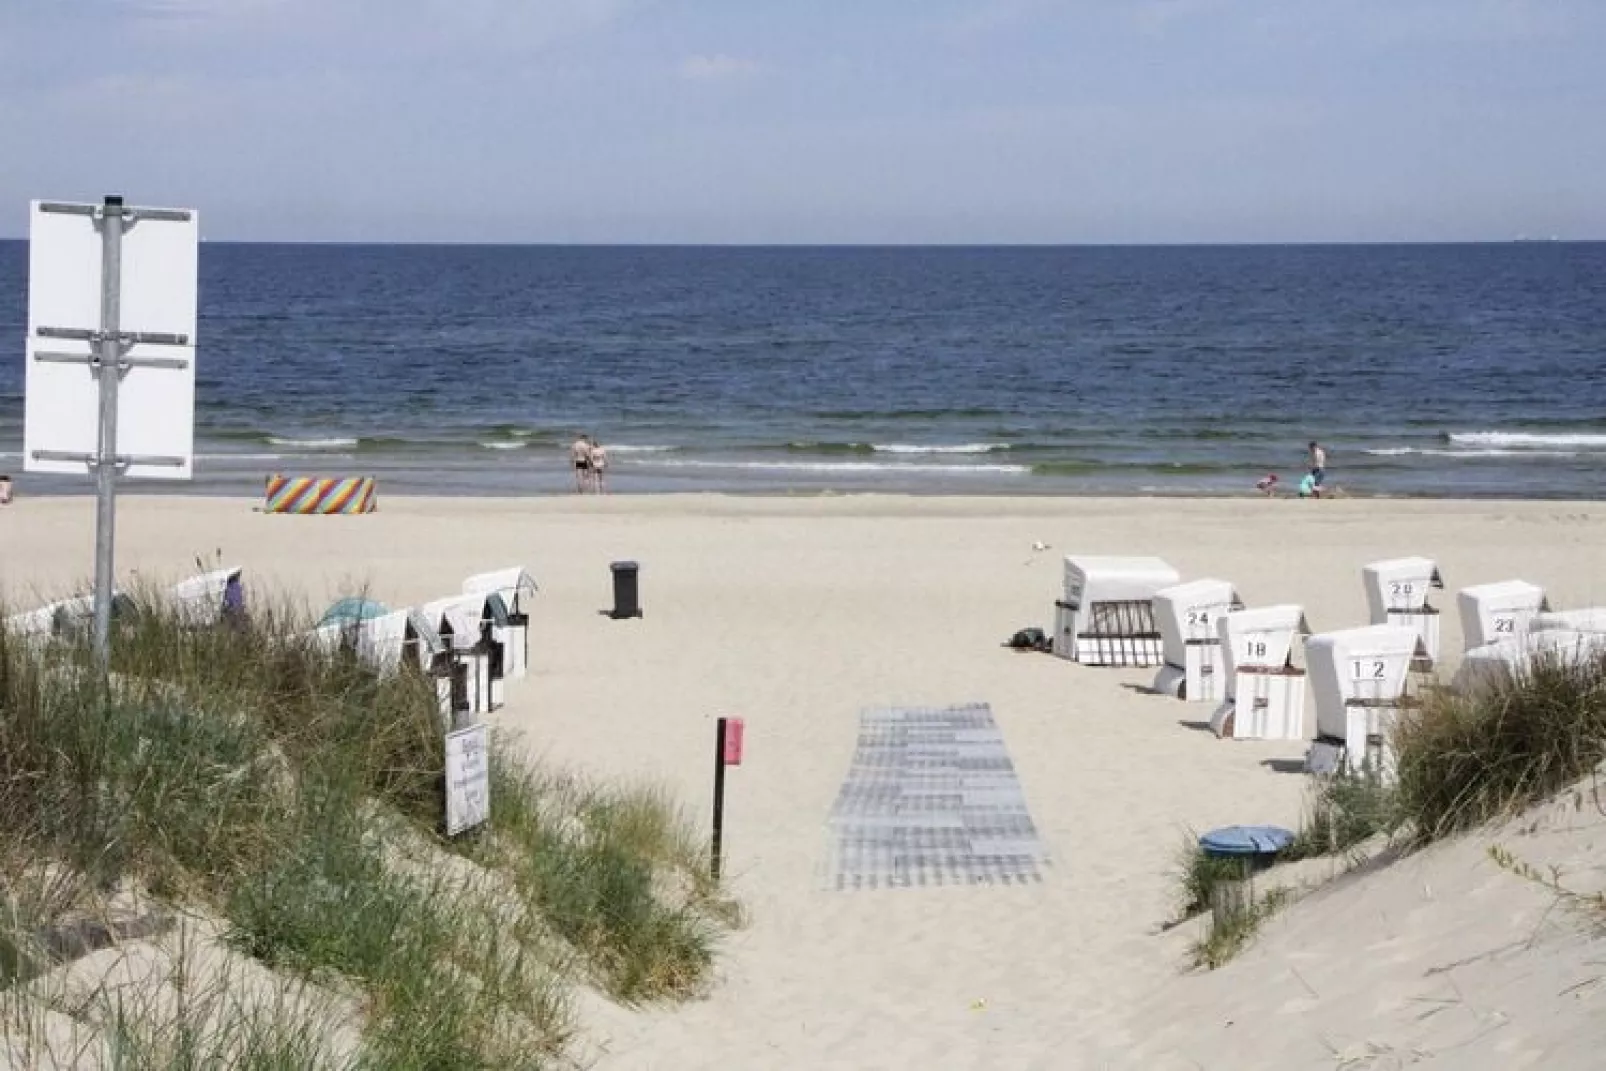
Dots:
(1028, 639)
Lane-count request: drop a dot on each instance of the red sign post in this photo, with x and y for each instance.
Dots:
(727, 752)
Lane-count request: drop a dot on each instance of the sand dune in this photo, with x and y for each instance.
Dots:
(1442, 959)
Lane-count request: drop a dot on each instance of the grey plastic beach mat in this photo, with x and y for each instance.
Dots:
(931, 799)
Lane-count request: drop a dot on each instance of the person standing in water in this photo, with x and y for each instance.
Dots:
(1318, 462)
(599, 467)
(580, 458)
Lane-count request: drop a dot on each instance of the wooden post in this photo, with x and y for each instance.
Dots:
(1230, 901)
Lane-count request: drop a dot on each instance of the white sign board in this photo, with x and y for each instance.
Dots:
(468, 778)
(156, 406)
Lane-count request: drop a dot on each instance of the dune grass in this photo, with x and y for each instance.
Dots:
(1344, 811)
(1231, 933)
(1197, 874)
(176, 1009)
(1460, 762)
(1592, 905)
(618, 873)
(296, 794)
(1463, 760)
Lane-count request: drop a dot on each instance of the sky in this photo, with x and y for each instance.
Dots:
(815, 121)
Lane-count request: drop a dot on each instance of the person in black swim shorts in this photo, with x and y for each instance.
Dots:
(580, 456)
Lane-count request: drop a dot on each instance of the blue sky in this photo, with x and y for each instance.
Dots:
(830, 121)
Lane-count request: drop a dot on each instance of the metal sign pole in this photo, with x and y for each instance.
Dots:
(155, 439)
(719, 799)
(108, 370)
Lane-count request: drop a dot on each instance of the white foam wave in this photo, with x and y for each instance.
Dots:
(647, 449)
(205, 458)
(1401, 451)
(1184, 489)
(959, 448)
(239, 457)
(854, 467)
(504, 446)
(1526, 439)
(312, 444)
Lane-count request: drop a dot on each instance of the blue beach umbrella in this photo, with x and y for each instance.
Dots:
(351, 610)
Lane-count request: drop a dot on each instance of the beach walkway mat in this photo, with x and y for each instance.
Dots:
(931, 799)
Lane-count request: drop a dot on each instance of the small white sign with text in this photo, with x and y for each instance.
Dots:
(468, 778)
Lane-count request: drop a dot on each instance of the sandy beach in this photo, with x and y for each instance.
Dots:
(798, 613)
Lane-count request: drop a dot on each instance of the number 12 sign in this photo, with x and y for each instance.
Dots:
(1368, 669)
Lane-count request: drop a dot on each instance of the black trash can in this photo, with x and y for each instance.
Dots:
(626, 595)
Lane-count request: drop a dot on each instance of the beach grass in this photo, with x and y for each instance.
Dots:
(1462, 760)
(1345, 810)
(1223, 888)
(1465, 759)
(178, 1007)
(1231, 932)
(619, 873)
(1198, 874)
(295, 794)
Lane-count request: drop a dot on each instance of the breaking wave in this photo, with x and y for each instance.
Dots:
(1529, 440)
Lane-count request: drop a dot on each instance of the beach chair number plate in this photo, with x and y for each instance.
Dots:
(1368, 669)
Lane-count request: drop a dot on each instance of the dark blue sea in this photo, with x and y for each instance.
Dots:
(1463, 370)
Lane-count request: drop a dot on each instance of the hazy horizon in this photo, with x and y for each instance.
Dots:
(1292, 244)
(22, 239)
(950, 123)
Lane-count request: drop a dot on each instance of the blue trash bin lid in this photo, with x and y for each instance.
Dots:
(1246, 840)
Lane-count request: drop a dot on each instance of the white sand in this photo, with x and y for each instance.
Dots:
(1441, 960)
(798, 613)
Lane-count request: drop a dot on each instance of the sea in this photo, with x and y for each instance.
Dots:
(1474, 370)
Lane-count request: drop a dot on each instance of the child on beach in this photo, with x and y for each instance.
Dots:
(1267, 484)
(1310, 487)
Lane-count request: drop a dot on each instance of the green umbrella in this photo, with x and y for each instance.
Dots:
(351, 610)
